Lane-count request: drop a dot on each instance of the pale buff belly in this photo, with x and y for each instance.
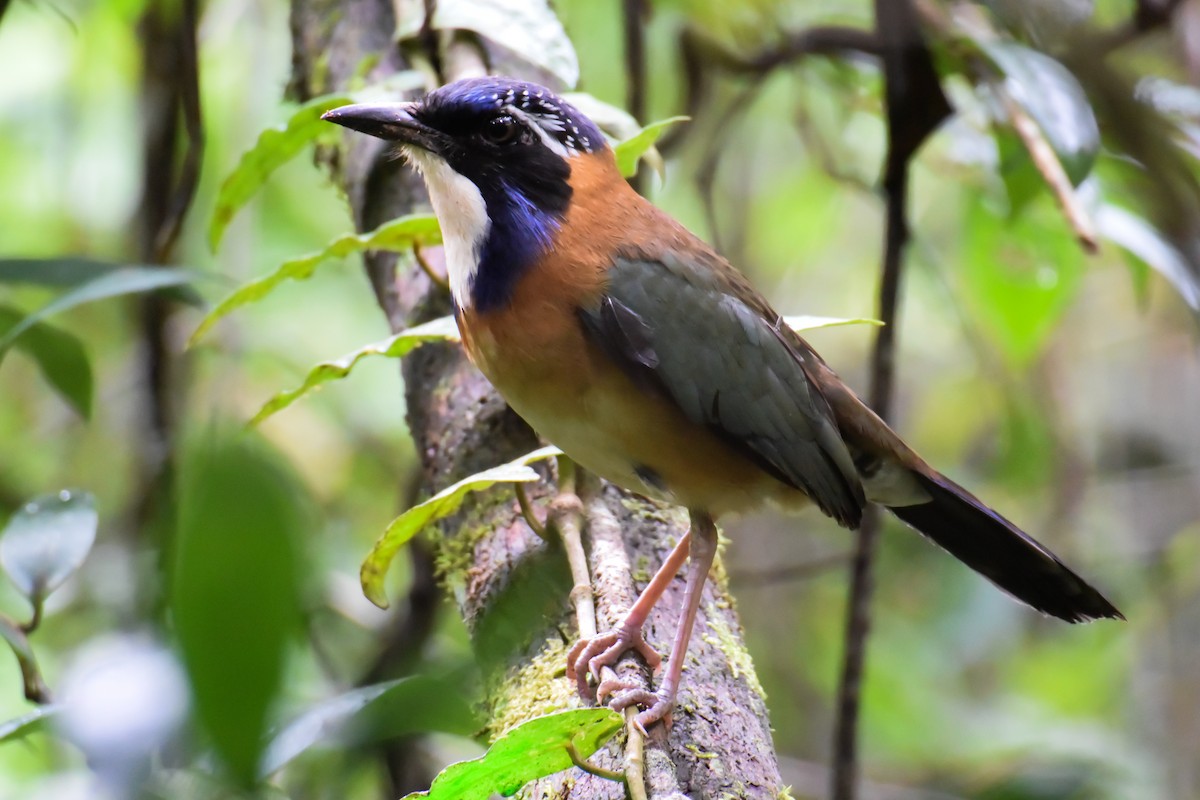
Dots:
(633, 438)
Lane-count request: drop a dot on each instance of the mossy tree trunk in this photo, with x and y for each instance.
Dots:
(510, 586)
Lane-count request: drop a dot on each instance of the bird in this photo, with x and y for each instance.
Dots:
(636, 348)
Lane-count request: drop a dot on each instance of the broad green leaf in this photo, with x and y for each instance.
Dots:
(47, 540)
(1054, 99)
(398, 346)
(444, 503)
(529, 751)
(632, 149)
(235, 589)
(274, 148)
(397, 235)
(24, 725)
(127, 280)
(1018, 276)
(808, 323)
(59, 355)
(1147, 243)
(421, 703)
(524, 32)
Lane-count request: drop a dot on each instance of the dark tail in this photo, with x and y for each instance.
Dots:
(1001, 552)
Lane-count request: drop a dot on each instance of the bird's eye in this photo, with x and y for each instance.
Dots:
(501, 130)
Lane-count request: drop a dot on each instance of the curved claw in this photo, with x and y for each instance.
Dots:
(588, 657)
(657, 707)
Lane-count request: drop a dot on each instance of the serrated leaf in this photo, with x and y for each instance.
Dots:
(26, 724)
(528, 32)
(47, 540)
(1054, 99)
(59, 355)
(274, 148)
(236, 577)
(126, 280)
(630, 151)
(443, 329)
(529, 751)
(397, 235)
(1143, 240)
(404, 527)
(808, 323)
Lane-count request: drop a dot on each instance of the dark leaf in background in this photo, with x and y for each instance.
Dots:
(69, 271)
(235, 589)
(59, 355)
(1135, 234)
(126, 280)
(47, 540)
(371, 714)
(1054, 99)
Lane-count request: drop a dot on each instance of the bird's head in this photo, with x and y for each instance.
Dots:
(496, 156)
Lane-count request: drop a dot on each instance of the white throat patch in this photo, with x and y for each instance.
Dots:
(463, 216)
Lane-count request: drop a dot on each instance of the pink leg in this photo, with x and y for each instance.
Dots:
(589, 656)
(659, 704)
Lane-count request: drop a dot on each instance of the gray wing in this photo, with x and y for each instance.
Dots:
(701, 335)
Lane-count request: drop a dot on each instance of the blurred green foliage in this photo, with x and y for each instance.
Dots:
(1059, 385)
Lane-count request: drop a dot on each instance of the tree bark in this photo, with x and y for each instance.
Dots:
(511, 587)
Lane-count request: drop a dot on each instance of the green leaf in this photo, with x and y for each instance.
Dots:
(274, 148)
(398, 235)
(47, 540)
(235, 588)
(59, 355)
(1054, 99)
(126, 280)
(808, 323)
(1139, 237)
(24, 725)
(630, 151)
(398, 346)
(371, 714)
(528, 31)
(446, 502)
(529, 751)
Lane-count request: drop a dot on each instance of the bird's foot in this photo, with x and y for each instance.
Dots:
(656, 705)
(589, 656)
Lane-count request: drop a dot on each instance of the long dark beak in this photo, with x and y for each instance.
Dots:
(391, 121)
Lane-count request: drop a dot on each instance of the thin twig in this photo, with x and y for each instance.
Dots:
(438, 279)
(613, 567)
(817, 40)
(754, 579)
(527, 512)
(1051, 170)
(635, 13)
(915, 107)
(590, 768)
(39, 603)
(566, 517)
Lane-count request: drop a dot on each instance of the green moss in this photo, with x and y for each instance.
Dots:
(456, 554)
(530, 690)
(736, 655)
